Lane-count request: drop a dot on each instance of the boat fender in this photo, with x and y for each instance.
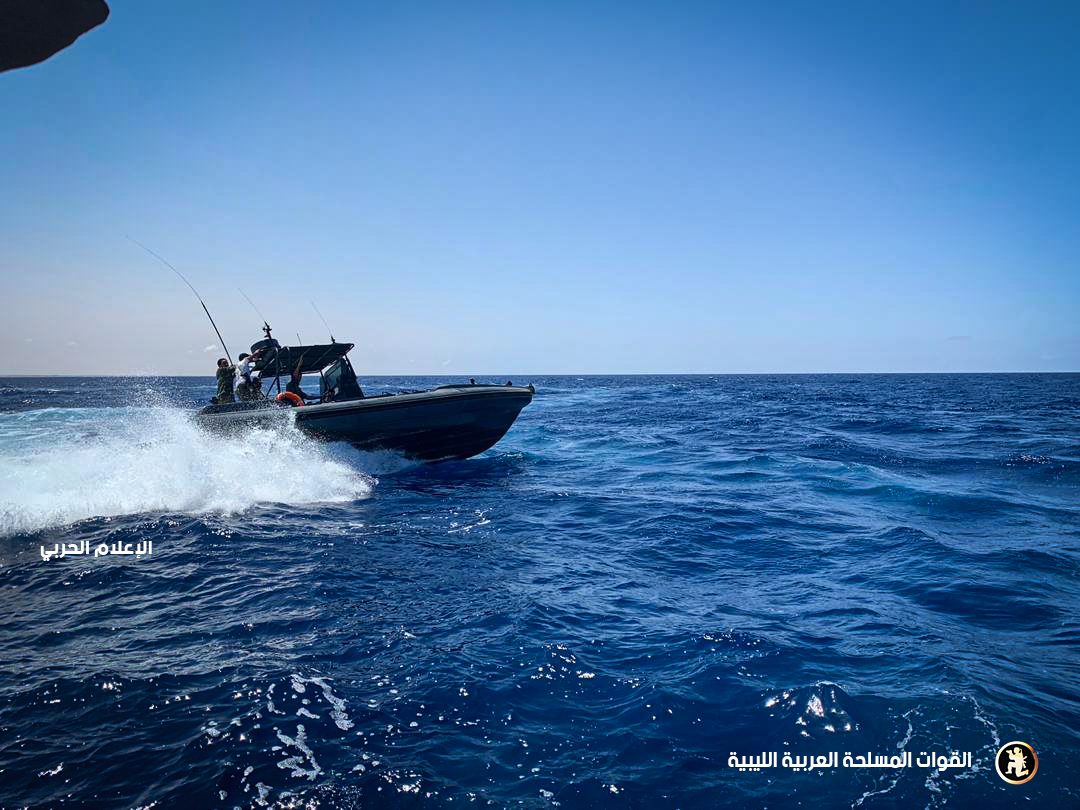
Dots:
(290, 398)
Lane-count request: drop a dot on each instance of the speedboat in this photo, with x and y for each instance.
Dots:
(448, 422)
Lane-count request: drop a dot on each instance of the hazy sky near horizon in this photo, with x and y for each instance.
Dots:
(551, 187)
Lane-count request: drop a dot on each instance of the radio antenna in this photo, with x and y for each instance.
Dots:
(261, 316)
(324, 323)
(190, 287)
(252, 303)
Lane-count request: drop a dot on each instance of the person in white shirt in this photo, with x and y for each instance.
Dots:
(248, 386)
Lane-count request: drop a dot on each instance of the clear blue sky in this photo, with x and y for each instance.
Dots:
(551, 187)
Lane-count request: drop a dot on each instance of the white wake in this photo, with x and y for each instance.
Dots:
(59, 466)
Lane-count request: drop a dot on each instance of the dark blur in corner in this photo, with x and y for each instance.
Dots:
(33, 30)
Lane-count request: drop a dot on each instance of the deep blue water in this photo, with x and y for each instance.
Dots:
(645, 575)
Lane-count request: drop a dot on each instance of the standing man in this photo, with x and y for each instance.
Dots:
(248, 387)
(226, 379)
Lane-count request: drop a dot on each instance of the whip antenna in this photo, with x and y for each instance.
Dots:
(252, 303)
(190, 287)
(261, 316)
(324, 323)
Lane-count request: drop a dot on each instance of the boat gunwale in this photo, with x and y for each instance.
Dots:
(377, 402)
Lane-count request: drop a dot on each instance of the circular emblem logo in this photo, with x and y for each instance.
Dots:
(1016, 762)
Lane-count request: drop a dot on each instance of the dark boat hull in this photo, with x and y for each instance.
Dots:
(452, 422)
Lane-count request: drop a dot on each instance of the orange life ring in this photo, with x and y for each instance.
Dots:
(290, 397)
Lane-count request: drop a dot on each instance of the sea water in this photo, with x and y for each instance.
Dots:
(646, 575)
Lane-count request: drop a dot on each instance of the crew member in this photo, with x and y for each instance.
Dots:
(248, 387)
(226, 379)
(294, 381)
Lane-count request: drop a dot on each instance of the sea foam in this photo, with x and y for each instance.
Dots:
(65, 465)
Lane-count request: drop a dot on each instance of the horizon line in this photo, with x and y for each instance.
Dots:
(571, 374)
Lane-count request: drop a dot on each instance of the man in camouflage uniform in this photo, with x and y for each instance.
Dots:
(226, 379)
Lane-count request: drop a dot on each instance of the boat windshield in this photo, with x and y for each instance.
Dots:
(339, 382)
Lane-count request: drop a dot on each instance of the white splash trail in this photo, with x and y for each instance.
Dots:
(64, 465)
